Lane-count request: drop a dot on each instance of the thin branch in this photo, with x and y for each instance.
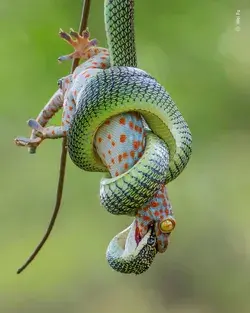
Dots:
(82, 27)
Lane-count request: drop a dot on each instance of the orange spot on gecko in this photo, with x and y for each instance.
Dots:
(109, 151)
(123, 138)
(109, 136)
(156, 213)
(132, 154)
(137, 128)
(125, 155)
(122, 121)
(119, 158)
(136, 144)
(140, 154)
(113, 161)
(146, 218)
(70, 108)
(64, 133)
(131, 125)
(107, 122)
(167, 212)
(154, 204)
(99, 139)
(126, 166)
(116, 173)
(113, 143)
(53, 132)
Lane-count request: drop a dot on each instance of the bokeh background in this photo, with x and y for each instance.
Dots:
(193, 49)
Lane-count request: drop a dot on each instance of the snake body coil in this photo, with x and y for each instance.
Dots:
(124, 89)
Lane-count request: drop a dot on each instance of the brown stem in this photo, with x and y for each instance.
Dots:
(82, 27)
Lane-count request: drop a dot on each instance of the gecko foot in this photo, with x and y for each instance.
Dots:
(28, 142)
(81, 44)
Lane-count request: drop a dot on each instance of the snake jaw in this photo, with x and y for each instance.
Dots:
(127, 256)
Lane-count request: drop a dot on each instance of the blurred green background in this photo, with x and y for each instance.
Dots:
(192, 48)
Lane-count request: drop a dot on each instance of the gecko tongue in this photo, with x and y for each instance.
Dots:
(134, 241)
(131, 243)
(137, 234)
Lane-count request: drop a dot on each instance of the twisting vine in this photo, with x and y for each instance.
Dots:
(82, 27)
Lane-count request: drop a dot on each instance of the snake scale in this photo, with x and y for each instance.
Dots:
(119, 120)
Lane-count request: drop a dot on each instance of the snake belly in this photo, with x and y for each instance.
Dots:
(111, 92)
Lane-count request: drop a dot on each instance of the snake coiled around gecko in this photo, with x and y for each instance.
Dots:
(162, 138)
(108, 93)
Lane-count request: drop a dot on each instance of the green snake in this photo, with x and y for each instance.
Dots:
(119, 120)
(108, 93)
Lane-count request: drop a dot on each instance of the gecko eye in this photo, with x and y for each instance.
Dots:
(168, 225)
(59, 83)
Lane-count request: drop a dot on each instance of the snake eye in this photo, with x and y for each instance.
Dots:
(168, 225)
(59, 83)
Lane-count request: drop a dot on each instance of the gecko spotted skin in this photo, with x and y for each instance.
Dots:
(120, 141)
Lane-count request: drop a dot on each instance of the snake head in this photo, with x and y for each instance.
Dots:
(127, 256)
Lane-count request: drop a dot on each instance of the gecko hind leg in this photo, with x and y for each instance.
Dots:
(54, 132)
